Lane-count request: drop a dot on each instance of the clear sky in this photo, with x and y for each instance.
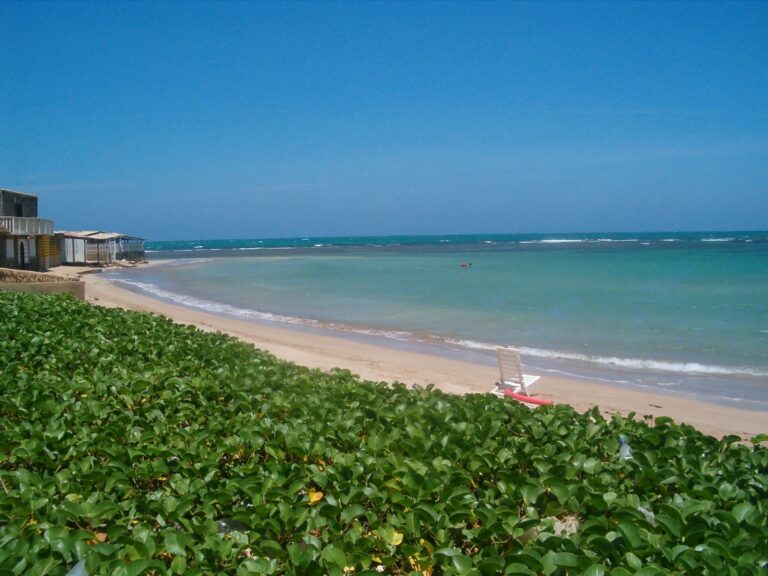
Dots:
(188, 120)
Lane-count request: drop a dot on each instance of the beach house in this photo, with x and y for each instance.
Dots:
(25, 239)
(96, 247)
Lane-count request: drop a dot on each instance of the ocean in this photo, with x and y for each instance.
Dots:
(678, 313)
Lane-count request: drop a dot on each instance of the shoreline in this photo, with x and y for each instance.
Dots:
(381, 363)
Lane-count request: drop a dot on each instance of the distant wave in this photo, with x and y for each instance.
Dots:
(684, 368)
(577, 240)
(617, 240)
(554, 241)
(450, 241)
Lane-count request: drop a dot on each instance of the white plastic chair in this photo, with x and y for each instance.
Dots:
(511, 372)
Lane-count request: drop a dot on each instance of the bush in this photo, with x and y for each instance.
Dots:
(145, 447)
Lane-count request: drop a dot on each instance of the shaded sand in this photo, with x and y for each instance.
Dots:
(381, 363)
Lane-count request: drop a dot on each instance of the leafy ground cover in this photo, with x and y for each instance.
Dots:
(143, 447)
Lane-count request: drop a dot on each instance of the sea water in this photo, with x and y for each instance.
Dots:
(679, 313)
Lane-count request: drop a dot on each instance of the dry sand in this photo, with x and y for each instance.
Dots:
(382, 363)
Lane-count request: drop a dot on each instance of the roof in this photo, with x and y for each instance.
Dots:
(93, 235)
(19, 193)
(76, 233)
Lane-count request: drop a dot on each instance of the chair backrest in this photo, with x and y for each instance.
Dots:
(510, 368)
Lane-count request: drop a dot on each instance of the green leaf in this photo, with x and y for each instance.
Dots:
(566, 559)
(334, 556)
(175, 543)
(531, 492)
(463, 564)
(352, 512)
(631, 535)
(592, 466)
(759, 438)
(742, 510)
(633, 561)
(450, 552)
(491, 564)
(179, 565)
(517, 569)
(138, 567)
(670, 524)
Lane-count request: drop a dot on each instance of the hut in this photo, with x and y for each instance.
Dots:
(99, 248)
(130, 248)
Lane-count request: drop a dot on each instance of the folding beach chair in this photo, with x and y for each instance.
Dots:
(511, 372)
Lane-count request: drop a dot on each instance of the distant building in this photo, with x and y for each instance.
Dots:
(96, 247)
(25, 239)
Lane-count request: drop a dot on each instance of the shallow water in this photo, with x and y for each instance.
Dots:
(680, 313)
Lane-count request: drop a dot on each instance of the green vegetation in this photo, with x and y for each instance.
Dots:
(146, 447)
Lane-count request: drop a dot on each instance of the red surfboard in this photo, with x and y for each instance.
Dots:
(528, 399)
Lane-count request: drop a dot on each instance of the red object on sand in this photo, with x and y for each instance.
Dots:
(528, 399)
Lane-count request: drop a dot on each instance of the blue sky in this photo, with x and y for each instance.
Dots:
(231, 120)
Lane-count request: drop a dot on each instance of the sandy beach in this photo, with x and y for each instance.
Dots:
(382, 363)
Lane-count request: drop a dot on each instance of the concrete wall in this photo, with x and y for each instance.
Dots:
(76, 288)
(10, 275)
(37, 283)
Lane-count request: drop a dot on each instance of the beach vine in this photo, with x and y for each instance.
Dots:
(133, 445)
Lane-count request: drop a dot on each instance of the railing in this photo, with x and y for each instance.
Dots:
(26, 226)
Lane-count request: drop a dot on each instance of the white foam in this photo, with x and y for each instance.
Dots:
(216, 307)
(718, 239)
(472, 344)
(630, 363)
(185, 261)
(644, 364)
(553, 241)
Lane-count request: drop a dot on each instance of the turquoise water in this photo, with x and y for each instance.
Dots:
(682, 313)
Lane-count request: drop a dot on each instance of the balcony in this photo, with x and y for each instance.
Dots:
(17, 226)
